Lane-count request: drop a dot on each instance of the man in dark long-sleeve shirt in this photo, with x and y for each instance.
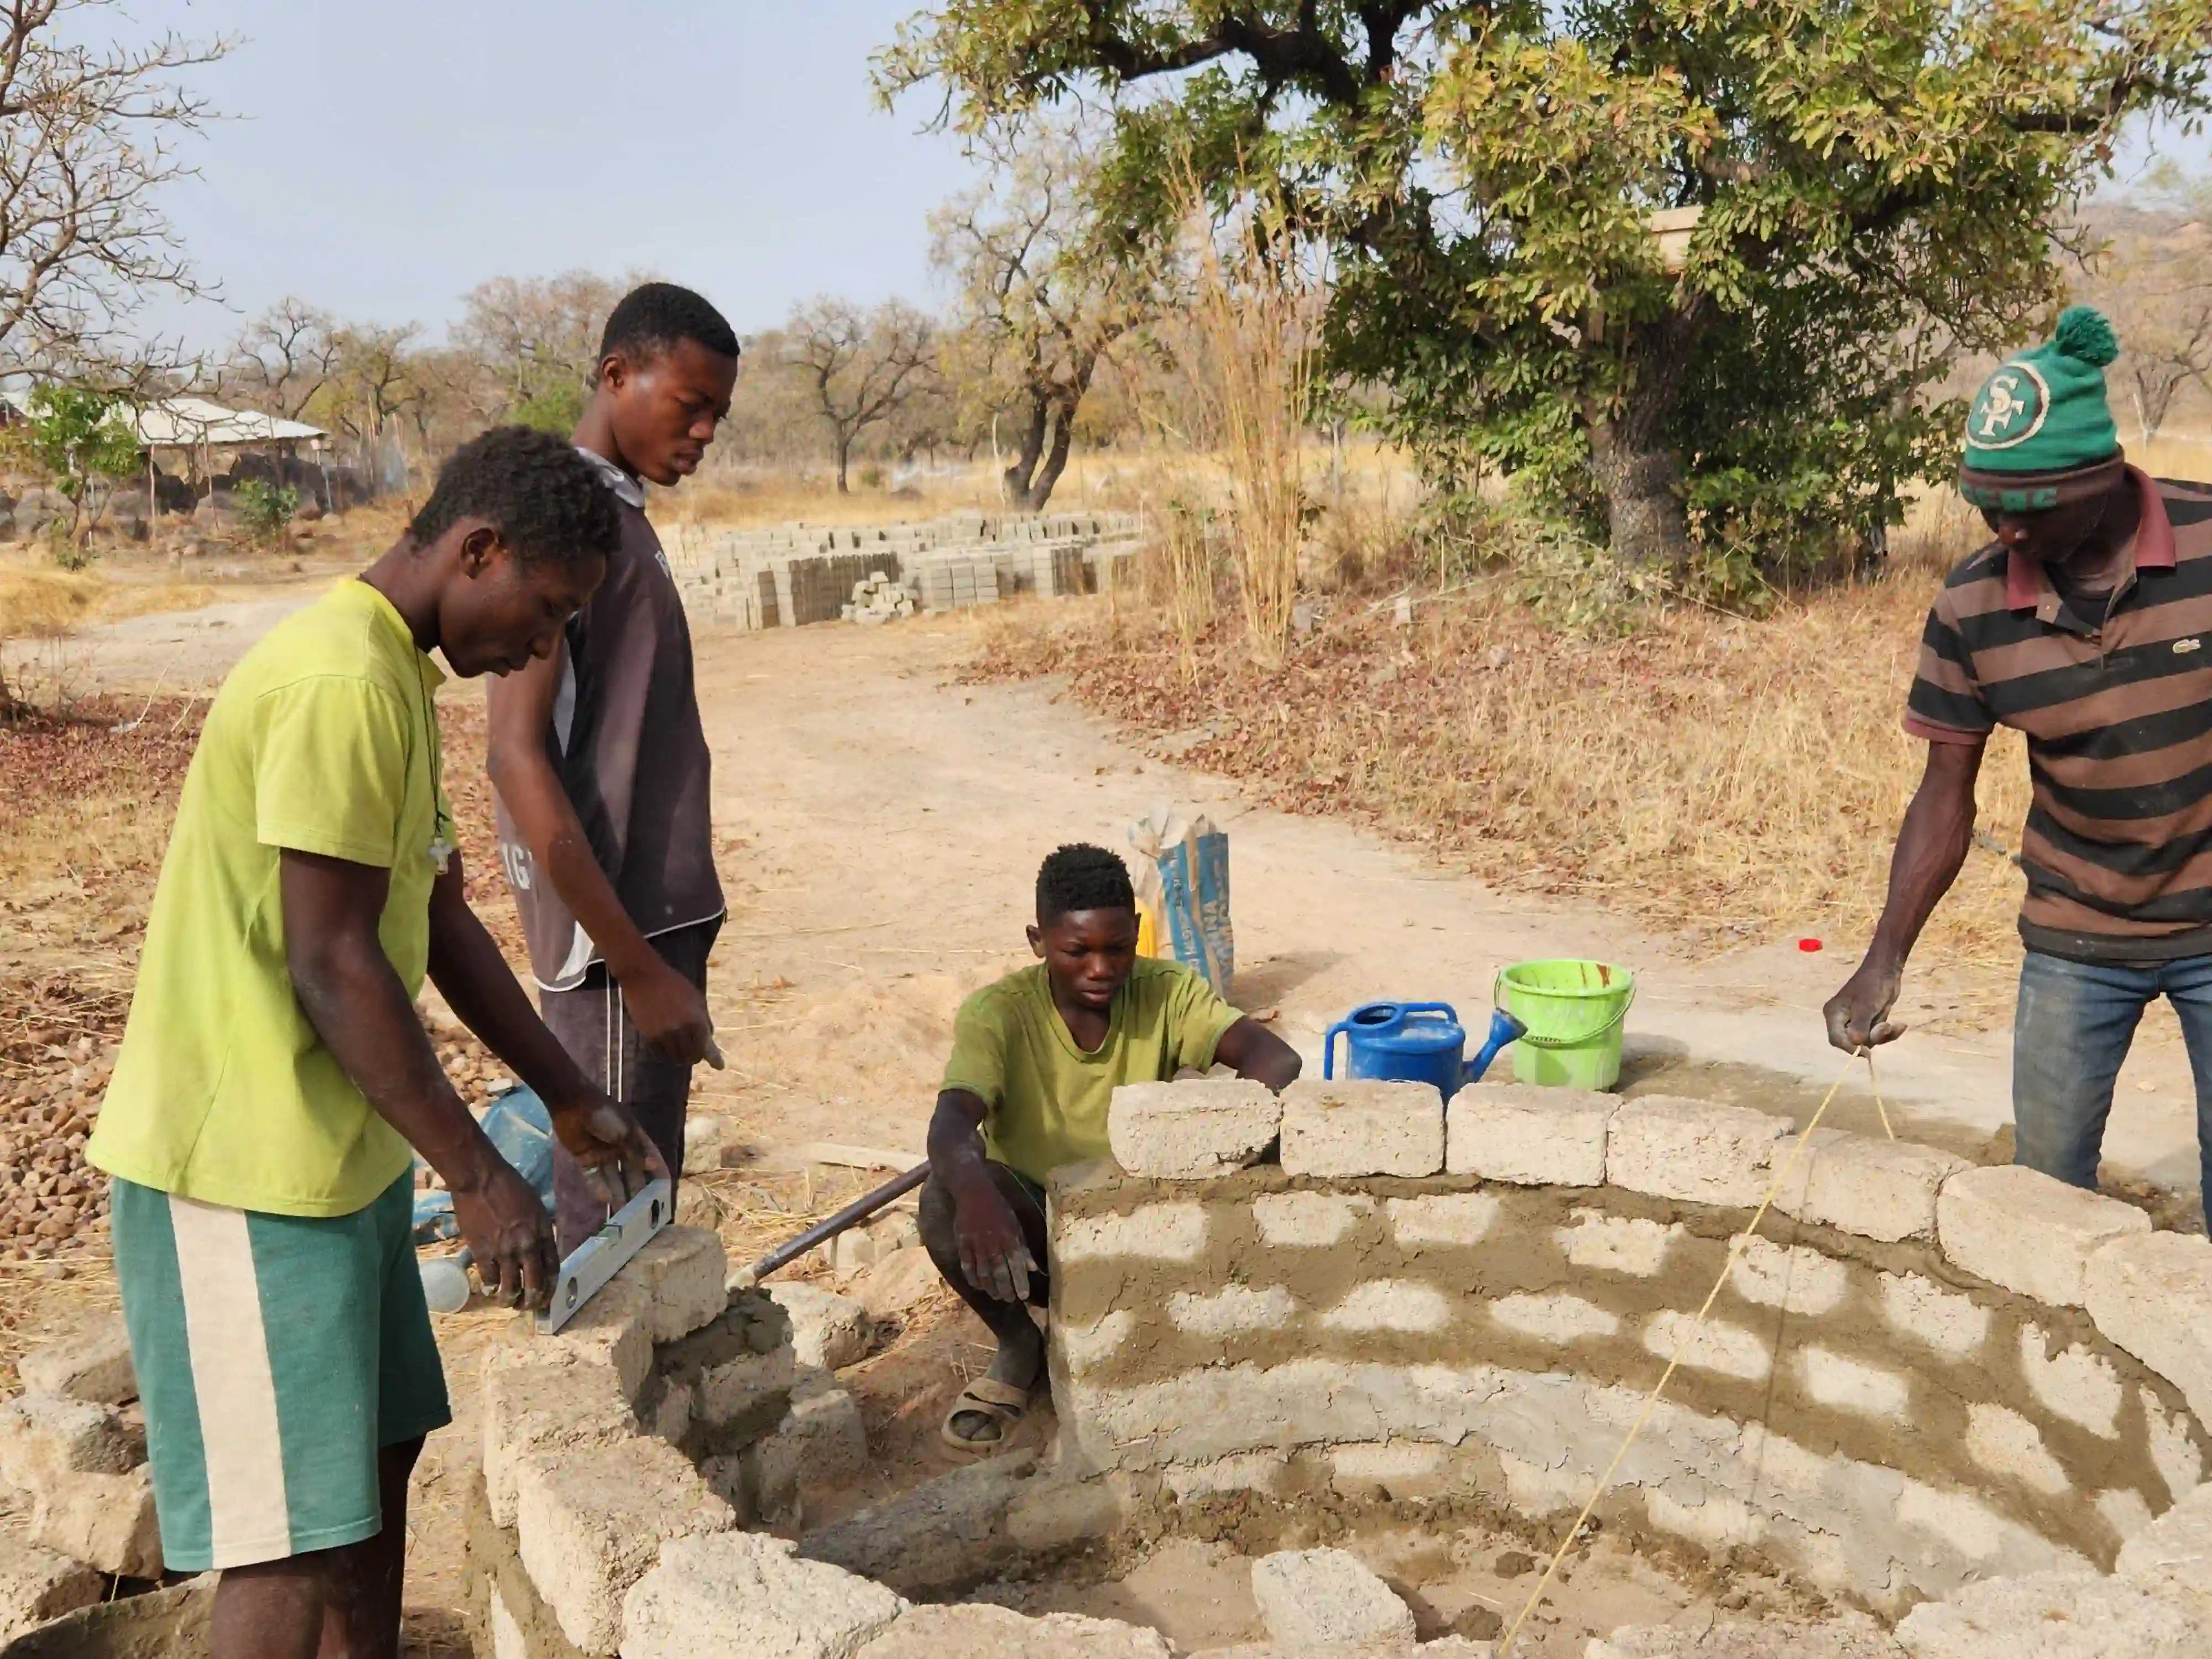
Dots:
(601, 762)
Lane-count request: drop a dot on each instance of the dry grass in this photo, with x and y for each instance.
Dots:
(1248, 356)
(1741, 780)
(2174, 456)
(50, 605)
(46, 605)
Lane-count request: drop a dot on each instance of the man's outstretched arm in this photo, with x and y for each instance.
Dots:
(667, 1009)
(1932, 845)
(1253, 1051)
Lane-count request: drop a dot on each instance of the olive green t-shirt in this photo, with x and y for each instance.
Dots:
(324, 739)
(1012, 1049)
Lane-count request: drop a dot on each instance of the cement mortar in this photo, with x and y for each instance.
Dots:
(1279, 1363)
(492, 1572)
(1830, 1379)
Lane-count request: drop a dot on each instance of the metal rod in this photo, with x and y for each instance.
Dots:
(858, 1211)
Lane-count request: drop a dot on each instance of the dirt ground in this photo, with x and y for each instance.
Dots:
(880, 824)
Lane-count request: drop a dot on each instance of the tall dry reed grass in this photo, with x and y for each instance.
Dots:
(1249, 355)
(1184, 570)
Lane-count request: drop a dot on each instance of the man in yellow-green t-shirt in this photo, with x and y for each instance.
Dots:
(274, 1082)
(1035, 1060)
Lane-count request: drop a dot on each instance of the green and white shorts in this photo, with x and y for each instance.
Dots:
(276, 1355)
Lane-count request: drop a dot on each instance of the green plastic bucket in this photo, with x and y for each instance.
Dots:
(1574, 1011)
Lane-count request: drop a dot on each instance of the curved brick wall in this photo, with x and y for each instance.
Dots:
(1919, 1376)
(1924, 1381)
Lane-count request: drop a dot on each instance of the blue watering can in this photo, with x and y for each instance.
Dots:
(1415, 1041)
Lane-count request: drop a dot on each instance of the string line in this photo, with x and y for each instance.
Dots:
(1697, 1329)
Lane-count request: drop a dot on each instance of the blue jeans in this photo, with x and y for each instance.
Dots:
(2074, 1027)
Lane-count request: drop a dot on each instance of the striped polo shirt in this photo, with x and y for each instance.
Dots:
(2117, 708)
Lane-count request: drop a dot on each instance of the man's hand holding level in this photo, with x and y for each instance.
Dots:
(617, 1156)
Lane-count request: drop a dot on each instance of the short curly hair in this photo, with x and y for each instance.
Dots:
(657, 317)
(1081, 876)
(543, 496)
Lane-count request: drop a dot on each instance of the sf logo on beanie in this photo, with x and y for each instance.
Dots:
(2011, 408)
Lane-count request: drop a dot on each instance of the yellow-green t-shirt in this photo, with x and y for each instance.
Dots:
(1012, 1049)
(324, 739)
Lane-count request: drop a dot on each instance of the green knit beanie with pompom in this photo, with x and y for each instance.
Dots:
(2044, 410)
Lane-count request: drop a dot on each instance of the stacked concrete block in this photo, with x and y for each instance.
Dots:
(1880, 1187)
(534, 1404)
(949, 581)
(739, 1398)
(673, 1286)
(1361, 1127)
(590, 1522)
(1326, 1598)
(2172, 1556)
(1196, 1127)
(878, 599)
(935, 1537)
(744, 1593)
(2028, 1232)
(794, 574)
(2069, 1614)
(983, 1631)
(1694, 1150)
(819, 1440)
(1531, 1137)
(37, 1586)
(84, 1468)
(1498, 1330)
(92, 1362)
(1891, 1399)
(2151, 1295)
(829, 1332)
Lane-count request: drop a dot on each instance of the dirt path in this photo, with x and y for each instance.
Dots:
(894, 820)
(882, 824)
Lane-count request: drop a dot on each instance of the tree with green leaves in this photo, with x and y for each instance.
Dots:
(1868, 187)
(81, 438)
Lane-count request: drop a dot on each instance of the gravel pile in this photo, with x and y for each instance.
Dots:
(53, 1203)
(51, 1200)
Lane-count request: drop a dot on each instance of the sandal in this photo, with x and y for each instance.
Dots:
(1002, 1402)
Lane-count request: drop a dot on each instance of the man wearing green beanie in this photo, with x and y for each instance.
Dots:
(2084, 625)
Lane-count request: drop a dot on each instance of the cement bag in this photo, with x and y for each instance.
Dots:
(1182, 877)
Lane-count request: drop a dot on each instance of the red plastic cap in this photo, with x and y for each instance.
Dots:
(1808, 945)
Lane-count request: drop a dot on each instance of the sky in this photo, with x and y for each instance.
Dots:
(379, 161)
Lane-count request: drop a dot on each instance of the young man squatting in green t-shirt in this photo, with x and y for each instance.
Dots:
(275, 1081)
(1035, 1060)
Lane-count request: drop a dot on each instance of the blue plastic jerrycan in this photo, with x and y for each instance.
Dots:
(1414, 1041)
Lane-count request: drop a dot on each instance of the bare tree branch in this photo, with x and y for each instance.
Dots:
(87, 141)
(863, 366)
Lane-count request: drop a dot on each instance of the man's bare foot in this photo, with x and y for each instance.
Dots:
(1020, 1362)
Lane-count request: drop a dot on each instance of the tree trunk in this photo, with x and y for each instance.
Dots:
(844, 460)
(1055, 462)
(1640, 476)
(1016, 482)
